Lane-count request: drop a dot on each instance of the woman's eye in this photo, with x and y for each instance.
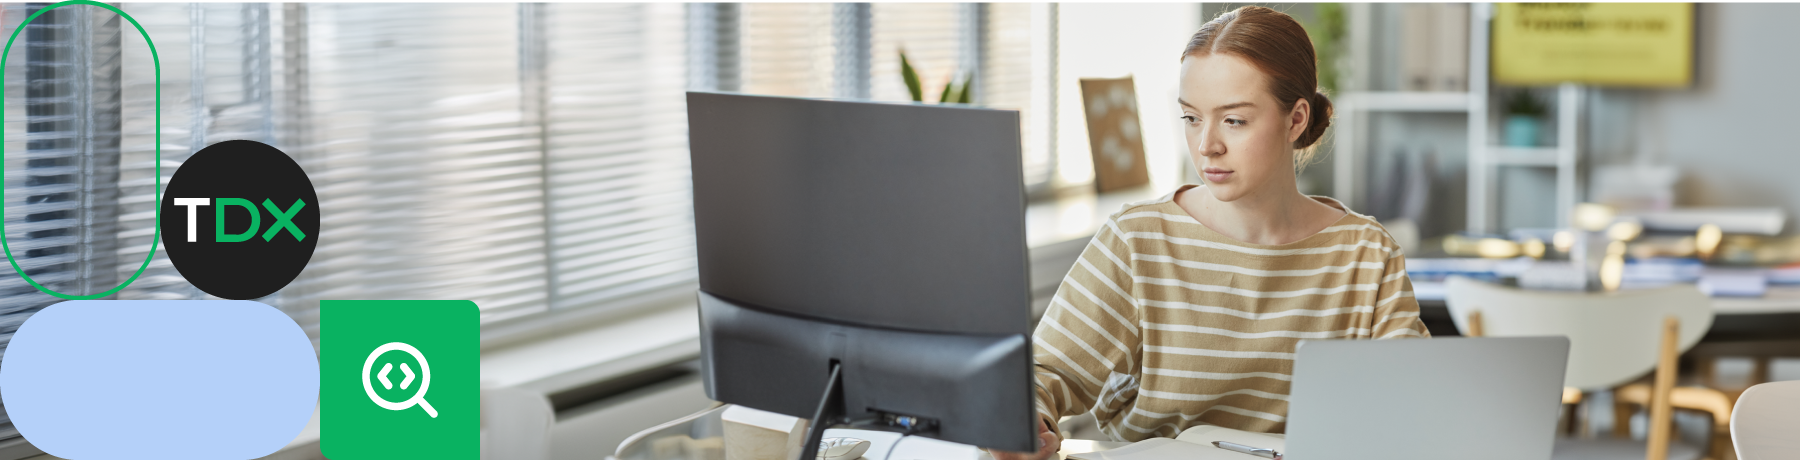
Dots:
(1190, 119)
(1234, 121)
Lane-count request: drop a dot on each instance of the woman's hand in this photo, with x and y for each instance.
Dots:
(1048, 444)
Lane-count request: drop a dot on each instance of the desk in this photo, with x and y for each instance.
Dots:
(700, 437)
(1774, 316)
(1779, 299)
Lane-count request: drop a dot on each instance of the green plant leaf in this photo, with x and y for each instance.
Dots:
(911, 77)
(1327, 32)
(967, 96)
(949, 94)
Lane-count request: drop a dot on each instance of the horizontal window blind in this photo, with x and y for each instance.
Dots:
(932, 35)
(62, 153)
(1016, 73)
(615, 129)
(532, 158)
(786, 49)
(207, 96)
(430, 179)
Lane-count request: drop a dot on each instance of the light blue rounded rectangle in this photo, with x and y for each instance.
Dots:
(137, 379)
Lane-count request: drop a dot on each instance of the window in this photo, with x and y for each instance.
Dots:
(615, 128)
(532, 158)
(1143, 41)
(62, 121)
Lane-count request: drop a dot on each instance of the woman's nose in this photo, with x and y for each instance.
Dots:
(1208, 144)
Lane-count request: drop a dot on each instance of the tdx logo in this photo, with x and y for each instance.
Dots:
(240, 219)
(284, 219)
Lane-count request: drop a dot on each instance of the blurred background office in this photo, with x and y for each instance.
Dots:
(532, 157)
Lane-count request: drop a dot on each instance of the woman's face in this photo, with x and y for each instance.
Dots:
(1238, 137)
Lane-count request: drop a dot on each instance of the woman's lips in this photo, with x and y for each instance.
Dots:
(1216, 175)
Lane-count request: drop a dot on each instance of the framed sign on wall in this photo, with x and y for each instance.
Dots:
(1114, 133)
(1615, 44)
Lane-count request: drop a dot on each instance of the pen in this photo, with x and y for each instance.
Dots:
(1243, 449)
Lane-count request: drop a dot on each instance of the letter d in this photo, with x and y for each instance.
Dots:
(219, 234)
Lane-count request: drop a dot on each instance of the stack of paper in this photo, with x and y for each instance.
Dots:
(1758, 221)
(1789, 274)
(1723, 282)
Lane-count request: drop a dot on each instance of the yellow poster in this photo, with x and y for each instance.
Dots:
(1625, 44)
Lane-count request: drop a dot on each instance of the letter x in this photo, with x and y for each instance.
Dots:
(284, 219)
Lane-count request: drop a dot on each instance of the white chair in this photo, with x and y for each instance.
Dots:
(1614, 339)
(1765, 423)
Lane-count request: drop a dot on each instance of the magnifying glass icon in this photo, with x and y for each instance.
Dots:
(417, 399)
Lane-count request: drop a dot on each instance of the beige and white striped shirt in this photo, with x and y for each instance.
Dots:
(1165, 324)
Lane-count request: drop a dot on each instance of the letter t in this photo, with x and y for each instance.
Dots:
(193, 205)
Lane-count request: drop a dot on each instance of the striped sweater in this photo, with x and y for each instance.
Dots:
(1164, 324)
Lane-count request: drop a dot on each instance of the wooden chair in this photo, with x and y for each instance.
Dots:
(1614, 339)
(1765, 423)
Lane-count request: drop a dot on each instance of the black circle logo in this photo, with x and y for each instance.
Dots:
(240, 219)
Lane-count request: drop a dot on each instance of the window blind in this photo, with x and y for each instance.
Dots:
(786, 49)
(615, 130)
(212, 90)
(62, 151)
(430, 180)
(932, 35)
(1016, 73)
(531, 158)
(444, 174)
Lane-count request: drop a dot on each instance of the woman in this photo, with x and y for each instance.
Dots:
(1185, 310)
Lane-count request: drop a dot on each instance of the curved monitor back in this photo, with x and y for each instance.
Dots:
(900, 216)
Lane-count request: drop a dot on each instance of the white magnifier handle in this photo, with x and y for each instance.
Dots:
(428, 409)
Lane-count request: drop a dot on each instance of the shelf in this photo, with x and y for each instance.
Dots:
(1486, 159)
(1522, 156)
(1407, 101)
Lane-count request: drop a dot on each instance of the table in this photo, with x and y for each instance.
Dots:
(701, 437)
(1774, 316)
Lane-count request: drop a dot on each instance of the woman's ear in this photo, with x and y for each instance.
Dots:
(1298, 119)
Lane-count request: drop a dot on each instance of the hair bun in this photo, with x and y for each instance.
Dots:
(1318, 120)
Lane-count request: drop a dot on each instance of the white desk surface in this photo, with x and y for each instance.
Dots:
(1078, 214)
(1778, 299)
(920, 448)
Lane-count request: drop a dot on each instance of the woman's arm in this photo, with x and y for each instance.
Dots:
(1090, 331)
(1396, 310)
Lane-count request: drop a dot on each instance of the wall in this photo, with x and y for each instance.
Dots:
(1731, 133)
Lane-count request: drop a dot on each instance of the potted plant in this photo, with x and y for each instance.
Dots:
(954, 92)
(1524, 120)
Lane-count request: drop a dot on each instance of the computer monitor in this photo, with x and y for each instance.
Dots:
(864, 264)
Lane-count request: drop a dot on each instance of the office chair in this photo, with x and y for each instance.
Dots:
(1614, 339)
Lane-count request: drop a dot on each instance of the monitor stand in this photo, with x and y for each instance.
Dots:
(831, 412)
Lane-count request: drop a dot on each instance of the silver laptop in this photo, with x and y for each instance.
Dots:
(1461, 398)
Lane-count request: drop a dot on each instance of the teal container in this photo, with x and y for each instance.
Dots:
(1521, 130)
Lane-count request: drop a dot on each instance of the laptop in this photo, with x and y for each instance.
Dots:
(1461, 398)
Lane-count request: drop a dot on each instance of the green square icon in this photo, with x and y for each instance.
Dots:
(399, 379)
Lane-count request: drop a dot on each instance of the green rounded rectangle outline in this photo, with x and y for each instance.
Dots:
(156, 223)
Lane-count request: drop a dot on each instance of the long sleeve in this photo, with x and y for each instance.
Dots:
(1396, 310)
(1087, 345)
(1163, 324)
